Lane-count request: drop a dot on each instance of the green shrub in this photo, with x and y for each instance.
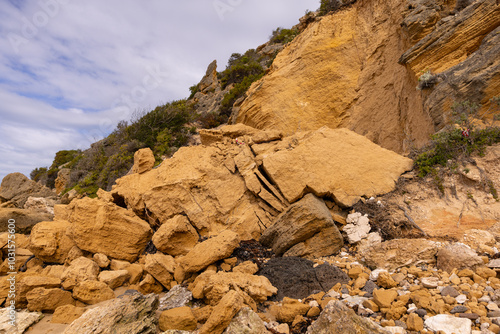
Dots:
(63, 157)
(459, 141)
(193, 89)
(282, 35)
(427, 80)
(235, 93)
(37, 173)
(239, 67)
(327, 6)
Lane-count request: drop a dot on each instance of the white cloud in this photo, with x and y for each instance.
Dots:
(67, 66)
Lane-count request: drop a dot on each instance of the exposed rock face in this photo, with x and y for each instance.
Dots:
(130, 313)
(94, 223)
(455, 39)
(335, 73)
(297, 278)
(25, 219)
(304, 220)
(144, 160)
(16, 188)
(40, 204)
(338, 318)
(356, 166)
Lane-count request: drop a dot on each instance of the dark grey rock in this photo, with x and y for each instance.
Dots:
(421, 312)
(297, 278)
(458, 309)
(449, 291)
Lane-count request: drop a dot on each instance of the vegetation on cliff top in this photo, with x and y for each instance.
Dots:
(470, 132)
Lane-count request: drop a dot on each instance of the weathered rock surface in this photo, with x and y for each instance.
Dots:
(338, 318)
(161, 267)
(24, 319)
(214, 286)
(457, 256)
(176, 236)
(16, 188)
(247, 134)
(395, 253)
(298, 278)
(197, 183)
(223, 313)
(144, 160)
(114, 278)
(25, 219)
(209, 251)
(95, 223)
(178, 296)
(40, 204)
(67, 314)
(248, 322)
(62, 180)
(41, 299)
(334, 74)
(179, 318)
(80, 270)
(131, 313)
(300, 222)
(357, 167)
(455, 39)
(92, 292)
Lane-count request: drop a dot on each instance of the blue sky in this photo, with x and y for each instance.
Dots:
(70, 70)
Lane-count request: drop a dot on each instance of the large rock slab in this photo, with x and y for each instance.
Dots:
(301, 221)
(16, 188)
(338, 318)
(81, 269)
(298, 278)
(25, 219)
(106, 228)
(397, 253)
(209, 251)
(131, 313)
(50, 242)
(223, 313)
(201, 183)
(339, 164)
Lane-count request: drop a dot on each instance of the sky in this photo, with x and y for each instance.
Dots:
(70, 70)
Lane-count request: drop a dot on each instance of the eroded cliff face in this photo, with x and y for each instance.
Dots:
(358, 68)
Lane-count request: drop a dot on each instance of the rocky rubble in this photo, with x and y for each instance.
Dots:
(214, 240)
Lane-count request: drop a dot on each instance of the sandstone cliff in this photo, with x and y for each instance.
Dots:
(358, 68)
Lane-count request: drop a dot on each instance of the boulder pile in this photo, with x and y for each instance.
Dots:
(216, 240)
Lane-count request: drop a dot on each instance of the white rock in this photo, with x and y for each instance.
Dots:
(313, 303)
(461, 299)
(357, 227)
(494, 263)
(449, 324)
(411, 308)
(351, 301)
(492, 307)
(374, 274)
(24, 319)
(395, 329)
(430, 282)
